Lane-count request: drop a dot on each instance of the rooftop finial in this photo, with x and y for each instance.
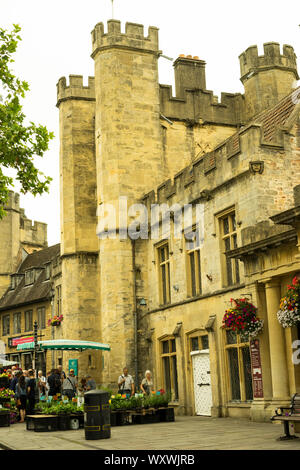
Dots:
(112, 9)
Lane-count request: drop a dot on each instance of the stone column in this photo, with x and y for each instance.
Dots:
(279, 370)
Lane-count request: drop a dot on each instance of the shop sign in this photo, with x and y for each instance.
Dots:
(257, 381)
(13, 342)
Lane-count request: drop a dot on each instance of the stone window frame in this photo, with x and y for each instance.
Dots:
(196, 252)
(164, 299)
(231, 235)
(171, 340)
(239, 345)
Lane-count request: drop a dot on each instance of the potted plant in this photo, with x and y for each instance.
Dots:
(5, 395)
(4, 380)
(242, 318)
(4, 417)
(289, 310)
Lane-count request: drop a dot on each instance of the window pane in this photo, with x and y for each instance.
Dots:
(165, 347)
(192, 273)
(195, 344)
(175, 380)
(234, 374)
(229, 271)
(204, 340)
(162, 254)
(225, 225)
(237, 271)
(199, 271)
(231, 337)
(167, 378)
(173, 345)
(247, 373)
(164, 286)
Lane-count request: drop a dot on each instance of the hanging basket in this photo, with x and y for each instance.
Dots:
(289, 313)
(55, 321)
(242, 318)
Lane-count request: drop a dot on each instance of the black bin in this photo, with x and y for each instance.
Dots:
(96, 415)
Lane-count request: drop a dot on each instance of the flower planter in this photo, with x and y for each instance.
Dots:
(77, 421)
(145, 418)
(166, 415)
(64, 422)
(4, 382)
(113, 418)
(4, 419)
(41, 423)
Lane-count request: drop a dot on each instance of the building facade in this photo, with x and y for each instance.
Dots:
(159, 301)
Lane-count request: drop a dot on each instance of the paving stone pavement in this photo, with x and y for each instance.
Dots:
(187, 432)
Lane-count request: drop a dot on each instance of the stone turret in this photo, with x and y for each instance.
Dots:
(129, 163)
(267, 78)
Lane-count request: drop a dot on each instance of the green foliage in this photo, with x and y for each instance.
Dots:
(58, 408)
(133, 403)
(19, 143)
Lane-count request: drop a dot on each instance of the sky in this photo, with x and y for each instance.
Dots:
(56, 42)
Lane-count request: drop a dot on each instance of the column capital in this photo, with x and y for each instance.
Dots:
(272, 282)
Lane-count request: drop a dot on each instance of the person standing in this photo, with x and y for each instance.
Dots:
(126, 383)
(41, 384)
(70, 385)
(31, 392)
(54, 382)
(147, 383)
(21, 395)
(90, 383)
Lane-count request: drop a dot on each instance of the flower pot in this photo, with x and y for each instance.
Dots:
(166, 415)
(4, 419)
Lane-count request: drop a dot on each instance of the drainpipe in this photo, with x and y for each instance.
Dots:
(135, 341)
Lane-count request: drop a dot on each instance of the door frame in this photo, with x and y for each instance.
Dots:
(198, 353)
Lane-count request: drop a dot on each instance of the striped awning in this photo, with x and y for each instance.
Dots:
(65, 345)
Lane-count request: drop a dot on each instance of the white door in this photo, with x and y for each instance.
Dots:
(202, 382)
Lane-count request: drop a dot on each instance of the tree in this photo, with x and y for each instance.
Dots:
(19, 143)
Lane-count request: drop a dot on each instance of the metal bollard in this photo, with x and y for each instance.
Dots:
(96, 415)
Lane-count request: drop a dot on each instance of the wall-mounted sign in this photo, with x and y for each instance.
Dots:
(13, 342)
(258, 391)
(73, 364)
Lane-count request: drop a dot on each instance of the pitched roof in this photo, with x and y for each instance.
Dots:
(277, 116)
(40, 289)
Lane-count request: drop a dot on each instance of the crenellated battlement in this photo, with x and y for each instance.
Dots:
(132, 39)
(250, 61)
(75, 90)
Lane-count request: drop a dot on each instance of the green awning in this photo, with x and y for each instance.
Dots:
(65, 345)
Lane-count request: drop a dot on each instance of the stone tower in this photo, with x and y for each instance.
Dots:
(129, 163)
(17, 233)
(267, 78)
(79, 243)
(10, 240)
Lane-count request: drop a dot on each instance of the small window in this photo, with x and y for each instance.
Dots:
(29, 277)
(193, 267)
(199, 342)
(17, 323)
(169, 365)
(28, 321)
(41, 317)
(164, 273)
(12, 282)
(239, 366)
(47, 271)
(6, 325)
(228, 233)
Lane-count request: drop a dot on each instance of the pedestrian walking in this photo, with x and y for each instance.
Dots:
(126, 383)
(147, 383)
